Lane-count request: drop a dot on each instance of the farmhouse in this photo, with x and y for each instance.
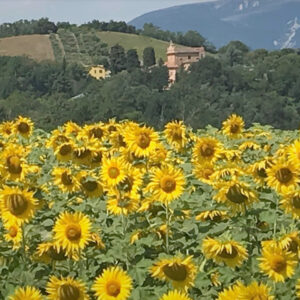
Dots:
(178, 57)
(99, 72)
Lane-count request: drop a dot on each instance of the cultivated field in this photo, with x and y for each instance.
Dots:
(35, 46)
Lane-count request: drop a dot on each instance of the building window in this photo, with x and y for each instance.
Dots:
(189, 57)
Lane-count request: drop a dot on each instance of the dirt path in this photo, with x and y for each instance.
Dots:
(60, 44)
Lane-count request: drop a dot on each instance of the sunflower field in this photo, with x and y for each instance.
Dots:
(117, 211)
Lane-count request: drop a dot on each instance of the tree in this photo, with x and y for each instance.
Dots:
(149, 57)
(117, 59)
(159, 78)
(132, 60)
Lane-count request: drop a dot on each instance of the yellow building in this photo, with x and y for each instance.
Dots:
(99, 72)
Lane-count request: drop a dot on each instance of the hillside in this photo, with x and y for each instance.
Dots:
(83, 47)
(35, 46)
(133, 41)
(269, 24)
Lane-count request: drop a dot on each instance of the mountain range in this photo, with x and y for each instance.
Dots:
(269, 24)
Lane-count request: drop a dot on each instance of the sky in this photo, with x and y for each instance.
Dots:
(81, 11)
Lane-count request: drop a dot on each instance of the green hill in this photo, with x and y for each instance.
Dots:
(81, 46)
(133, 41)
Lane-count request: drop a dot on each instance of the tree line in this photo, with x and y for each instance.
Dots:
(45, 26)
(261, 86)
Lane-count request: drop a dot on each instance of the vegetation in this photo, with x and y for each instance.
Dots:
(176, 214)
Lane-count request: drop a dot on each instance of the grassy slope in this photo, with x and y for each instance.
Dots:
(35, 46)
(39, 47)
(133, 41)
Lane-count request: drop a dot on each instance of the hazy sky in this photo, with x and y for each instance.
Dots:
(80, 11)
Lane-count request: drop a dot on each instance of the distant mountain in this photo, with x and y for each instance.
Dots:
(270, 24)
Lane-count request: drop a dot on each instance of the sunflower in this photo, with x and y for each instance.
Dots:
(112, 126)
(230, 293)
(114, 283)
(17, 206)
(64, 151)
(66, 288)
(71, 128)
(26, 293)
(175, 133)
(290, 203)
(13, 162)
(277, 263)
(65, 180)
(167, 183)
(290, 242)
(259, 170)
(96, 131)
(293, 152)
(160, 155)
(141, 140)
(175, 295)
(83, 155)
(249, 145)
(23, 126)
(96, 241)
(212, 215)
(56, 139)
(283, 176)
(214, 278)
(225, 173)
(207, 149)
(233, 126)
(113, 171)
(49, 251)
(72, 231)
(229, 252)
(203, 172)
(298, 288)
(122, 203)
(90, 184)
(255, 291)
(14, 234)
(235, 194)
(181, 272)
(133, 181)
(7, 129)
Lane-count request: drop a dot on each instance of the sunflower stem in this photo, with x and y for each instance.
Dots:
(24, 246)
(167, 228)
(275, 219)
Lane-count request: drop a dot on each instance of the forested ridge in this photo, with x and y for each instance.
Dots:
(261, 86)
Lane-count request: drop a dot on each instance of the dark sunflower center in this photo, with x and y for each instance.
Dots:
(73, 232)
(96, 132)
(293, 246)
(112, 128)
(68, 292)
(207, 150)
(143, 140)
(61, 139)
(17, 204)
(13, 231)
(128, 183)
(176, 272)
(113, 172)
(66, 179)
(177, 136)
(216, 218)
(52, 252)
(121, 141)
(234, 128)
(284, 175)
(97, 158)
(207, 173)
(262, 173)
(235, 195)
(296, 202)
(278, 263)
(14, 164)
(228, 255)
(90, 186)
(82, 154)
(113, 288)
(124, 202)
(168, 184)
(23, 127)
(65, 150)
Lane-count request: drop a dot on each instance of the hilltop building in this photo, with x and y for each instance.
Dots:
(182, 57)
(99, 72)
